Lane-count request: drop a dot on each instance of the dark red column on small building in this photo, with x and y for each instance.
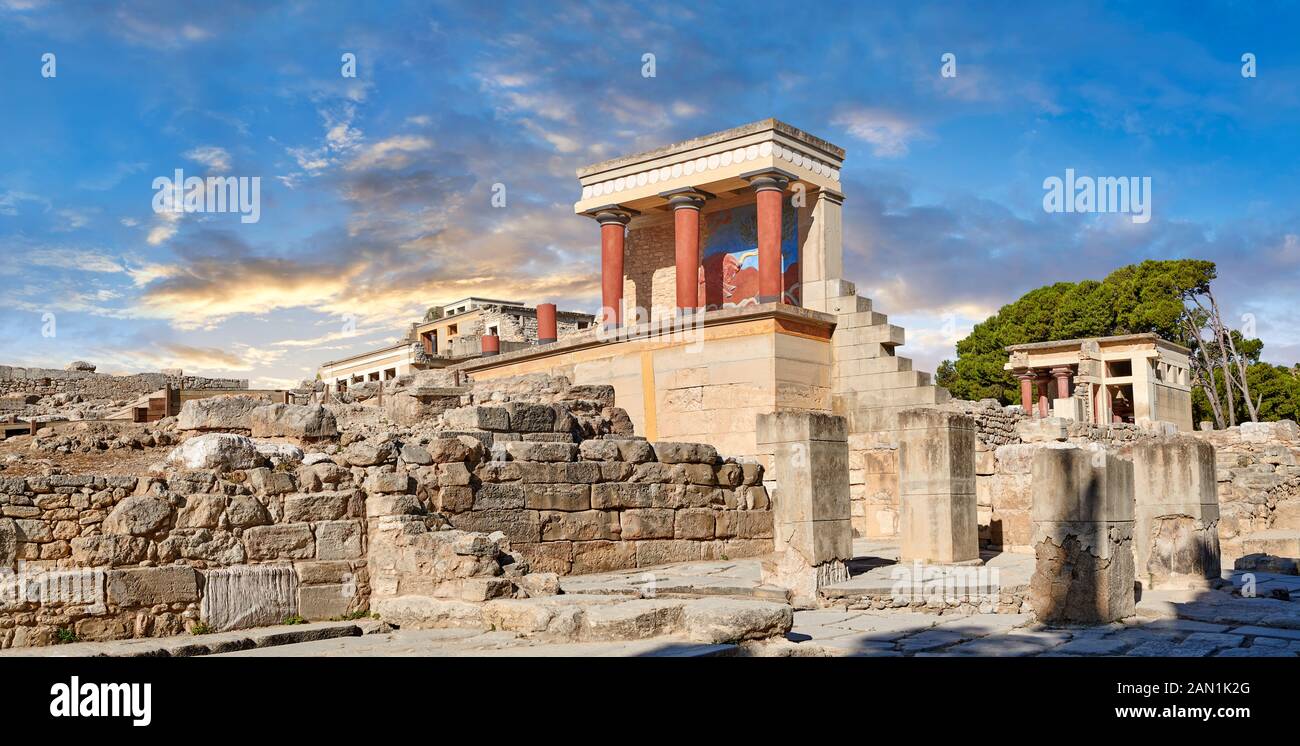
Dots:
(1026, 392)
(547, 330)
(612, 231)
(769, 197)
(686, 240)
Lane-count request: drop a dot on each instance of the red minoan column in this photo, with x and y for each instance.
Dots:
(612, 229)
(491, 345)
(546, 328)
(1044, 394)
(1027, 392)
(1062, 375)
(770, 189)
(686, 240)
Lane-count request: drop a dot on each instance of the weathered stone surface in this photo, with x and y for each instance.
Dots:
(111, 550)
(387, 482)
(218, 413)
(284, 541)
(316, 506)
(244, 511)
(612, 495)
(685, 453)
(461, 448)
(146, 586)
(369, 453)
(477, 418)
(637, 619)
(570, 497)
(138, 516)
(517, 525)
(304, 422)
(744, 524)
(201, 511)
(216, 452)
(218, 547)
(547, 556)
(321, 602)
(693, 523)
(584, 525)
(423, 612)
(8, 544)
(527, 450)
(530, 418)
(539, 584)
(647, 523)
(599, 450)
(666, 551)
(722, 620)
(280, 453)
(602, 556)
(454, 474)
(413, 453)
(337, 540)
(249, 596)
(498, 496)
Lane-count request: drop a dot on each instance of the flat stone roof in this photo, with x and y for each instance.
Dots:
(1151, 337)
(761, 125)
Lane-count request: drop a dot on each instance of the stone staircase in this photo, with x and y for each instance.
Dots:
(870, 383)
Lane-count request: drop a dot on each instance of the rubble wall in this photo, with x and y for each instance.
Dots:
(103, 558)
(1257, 465)
(49, 381)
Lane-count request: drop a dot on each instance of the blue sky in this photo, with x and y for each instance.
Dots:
(375, 192)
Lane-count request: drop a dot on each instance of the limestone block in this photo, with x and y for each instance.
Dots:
(547, 557)
(1043, 430)
(477, 418)
(413, 453)
(318, 506)
(527, 450)
(380, 482)
(499, 496)
(146, 586)
(519, 526)
(1083, 517)
(603, 556)
(612, 495)
(201, 511)
(586, 525)
(729, 620)
(598, 450)
(530, 418)
(337, 540)
(321, 602)
(8, 544)
(571, 497)
(284, 541)
(793, 426)
(454, 474)
(370, 453)
(1176, 512)
(249, 596)
(111, 550)
(744, 524)
(647, 523)
(138, 516)
(692, 523)
(685, 453)
(666, 551)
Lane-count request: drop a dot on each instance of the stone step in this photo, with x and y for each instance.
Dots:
(860, 319)
(890, 335)
(869, 365)
(861, 352)
(879, 381)
(877, 411)
(847, 304)
(1277, 542)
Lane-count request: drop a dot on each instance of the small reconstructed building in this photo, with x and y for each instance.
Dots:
(454, 332)
(1133, 378)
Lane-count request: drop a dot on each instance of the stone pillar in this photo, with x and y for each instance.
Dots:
(936, 487)
(547, 331)
(686, 241)
(1062, 375)
(491, 345)
(1027, 392)
(1082, 512)
(810, 501)
(769, 187)
(613, 227)
(1176, 526)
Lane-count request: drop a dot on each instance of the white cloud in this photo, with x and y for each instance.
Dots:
(216, 159)
(393, 153)
(888, 133)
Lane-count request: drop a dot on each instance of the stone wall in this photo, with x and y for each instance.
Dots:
(1258, 472)
(48, 382)
(119, 557)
